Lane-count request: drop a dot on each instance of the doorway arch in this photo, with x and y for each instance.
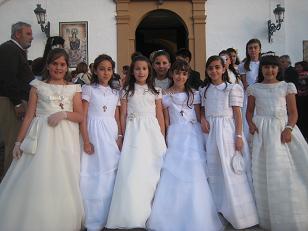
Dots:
(131, 13)
(161, 30)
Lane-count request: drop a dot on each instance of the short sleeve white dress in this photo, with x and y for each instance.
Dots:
(251, 78)
(99, 169)
(140, 162)
(41, 190)
(232, 192)
(280, 175)
(183, 200)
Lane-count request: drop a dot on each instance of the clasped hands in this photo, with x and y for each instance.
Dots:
(55, 118)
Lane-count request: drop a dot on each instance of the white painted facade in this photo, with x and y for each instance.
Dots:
(232, 25)
(228, 24)
(100, 15)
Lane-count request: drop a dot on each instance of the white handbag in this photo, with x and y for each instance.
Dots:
(29, 144)
(238, 163)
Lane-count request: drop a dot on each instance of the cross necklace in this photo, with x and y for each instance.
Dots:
(182, 104)
(58, 96)
(104, 91)
(61, 99)
(61, 105)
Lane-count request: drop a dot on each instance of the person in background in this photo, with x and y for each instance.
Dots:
(161, 64)
(91, 68)
(288, 72)
(52, 43)
(249, 68)
(36, 68)
(82, 76)
(233, 75)
(14, 85)
(124, 76)
(135, 54)
(301, 66)
(235, 60)
(194, 80)
(116, 80)
(39, 63)
(302, 97)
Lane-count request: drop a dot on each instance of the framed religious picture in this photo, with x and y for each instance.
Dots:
(305, 50)
(75, 35)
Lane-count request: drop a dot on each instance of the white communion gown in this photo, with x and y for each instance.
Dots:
(251, 77)
(140, 162)
(98, 170)
(41, 190)
(183, 199)
(232, 192)
(280, 175)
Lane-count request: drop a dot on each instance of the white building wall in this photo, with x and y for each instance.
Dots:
(228, 24)
(233, 23)
(100, 15)
(296, 20)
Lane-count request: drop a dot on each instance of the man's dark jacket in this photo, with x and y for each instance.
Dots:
(15, 73)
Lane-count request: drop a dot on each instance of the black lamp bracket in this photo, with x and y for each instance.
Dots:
(46, 29)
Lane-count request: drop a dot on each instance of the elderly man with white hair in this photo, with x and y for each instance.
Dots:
(15, 75)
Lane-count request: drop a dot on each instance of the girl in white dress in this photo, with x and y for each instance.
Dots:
(280, 152)
(141, 159)
(183, 200)
(221, 118)
(233, 76)
(41, 189)
(248, 70)
(102, 139)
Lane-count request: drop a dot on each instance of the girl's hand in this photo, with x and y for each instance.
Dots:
(205, 126)
(88, 148)
(238, 144)
(286, 136)
(120, 142)
(252, 128)
(55, 118)
(16, 151)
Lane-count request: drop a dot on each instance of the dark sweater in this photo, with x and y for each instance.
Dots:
(15, 73)
(290, 75)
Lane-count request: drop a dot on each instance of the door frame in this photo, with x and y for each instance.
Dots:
(130, 13)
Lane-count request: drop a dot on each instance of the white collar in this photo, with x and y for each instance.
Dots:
(144, 86)
(14, 41)
(221, 86)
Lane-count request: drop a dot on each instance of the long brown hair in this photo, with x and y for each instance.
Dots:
(52, 56)
(129, 86)
(208, 80)
(248, 59)
(182, 65)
